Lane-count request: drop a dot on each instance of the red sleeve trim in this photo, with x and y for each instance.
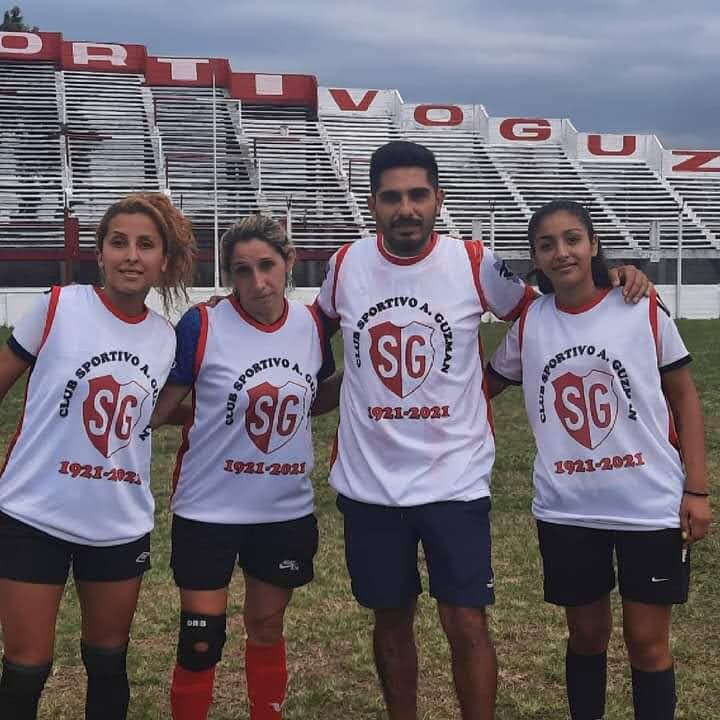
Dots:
(521, 326)
(52, 309)
(525, 301)
(475, 251)
(18, 427)
(315, 311)
(342, 252)
(199, 356)
(183, 448)
(202, 340)
(653, 311)
(334, 449)
(672, 431)
(486, 393)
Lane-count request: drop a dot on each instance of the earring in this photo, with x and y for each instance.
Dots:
(289, 282)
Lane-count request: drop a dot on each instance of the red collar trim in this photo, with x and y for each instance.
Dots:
(395, 260)
(599, 297)
(250, 320)
(131, 319)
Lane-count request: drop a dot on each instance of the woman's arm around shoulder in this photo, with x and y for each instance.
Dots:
(682, 396)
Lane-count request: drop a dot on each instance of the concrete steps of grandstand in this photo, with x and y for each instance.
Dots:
(31, 185)
(295, 171)
(184, 120)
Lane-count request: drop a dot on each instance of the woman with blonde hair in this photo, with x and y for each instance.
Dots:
(75, 486)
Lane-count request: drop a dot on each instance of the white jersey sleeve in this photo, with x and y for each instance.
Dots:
(28, 333)
(672, 352)
(506, 361)
(502, 292)
(326, 296)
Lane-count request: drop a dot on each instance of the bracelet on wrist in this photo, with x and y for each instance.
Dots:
(696, 494)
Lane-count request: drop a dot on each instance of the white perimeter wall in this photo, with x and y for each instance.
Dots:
(697, 301)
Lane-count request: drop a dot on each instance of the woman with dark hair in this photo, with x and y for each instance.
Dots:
(620, 464)
(75, 487)
(242, 492)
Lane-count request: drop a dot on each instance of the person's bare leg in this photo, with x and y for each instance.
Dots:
(396, 660)
(589, 628)
(265, 659)
(646, 629)
(474, 664)
(107, 610)
(28, 613)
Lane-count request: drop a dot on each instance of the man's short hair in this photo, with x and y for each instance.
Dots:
(401, 153)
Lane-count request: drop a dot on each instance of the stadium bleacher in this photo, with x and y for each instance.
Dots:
(82, 125)
(31, 157)
(184, 121)
(109, 143)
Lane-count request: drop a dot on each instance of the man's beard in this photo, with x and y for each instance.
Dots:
(399, 245)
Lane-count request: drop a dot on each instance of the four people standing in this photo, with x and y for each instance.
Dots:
(411, 463)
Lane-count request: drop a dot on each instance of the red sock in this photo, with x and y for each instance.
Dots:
(191, 693)
(266, 672)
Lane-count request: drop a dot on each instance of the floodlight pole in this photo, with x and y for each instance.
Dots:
(492, 225)
(288, 217)
(678, 268)
(216, 233)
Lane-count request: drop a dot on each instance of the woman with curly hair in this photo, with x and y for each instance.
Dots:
(75, 486)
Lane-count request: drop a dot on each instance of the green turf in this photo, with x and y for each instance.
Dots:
(331, 669)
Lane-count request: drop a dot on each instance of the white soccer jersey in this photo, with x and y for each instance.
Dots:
(415, 425)
(78, 467)
(607, 451)
(247, 454)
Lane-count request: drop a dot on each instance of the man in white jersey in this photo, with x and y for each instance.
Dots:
(415, 446)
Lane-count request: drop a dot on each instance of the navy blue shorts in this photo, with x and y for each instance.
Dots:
(381, 551)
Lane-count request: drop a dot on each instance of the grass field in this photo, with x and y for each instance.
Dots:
(329, 649)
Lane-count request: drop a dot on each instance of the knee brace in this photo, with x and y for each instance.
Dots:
(108, 690)
(104, 661)
(196, 628)
(20, 689)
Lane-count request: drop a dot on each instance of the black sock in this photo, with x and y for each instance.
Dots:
(20, 690)
(586, 680)
(108, 690)
(654, 694)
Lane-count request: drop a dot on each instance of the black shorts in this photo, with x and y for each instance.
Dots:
(381, 551)
(578, 564)
(281, 553)
(33, 556)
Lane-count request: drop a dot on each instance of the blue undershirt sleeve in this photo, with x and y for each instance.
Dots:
(187, 332)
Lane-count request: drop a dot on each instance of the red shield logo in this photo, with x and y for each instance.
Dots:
(587, 406)
(402, 356)
(274, 414)
(111, 411)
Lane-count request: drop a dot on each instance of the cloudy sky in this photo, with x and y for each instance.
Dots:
(608, 65)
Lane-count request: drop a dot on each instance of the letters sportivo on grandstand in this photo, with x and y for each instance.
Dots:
(291, 89)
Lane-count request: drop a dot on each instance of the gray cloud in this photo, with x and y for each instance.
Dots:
(608, 65)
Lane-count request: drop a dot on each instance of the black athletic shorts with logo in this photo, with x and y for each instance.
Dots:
(280, 553)
(33, 556)
(578, 565)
